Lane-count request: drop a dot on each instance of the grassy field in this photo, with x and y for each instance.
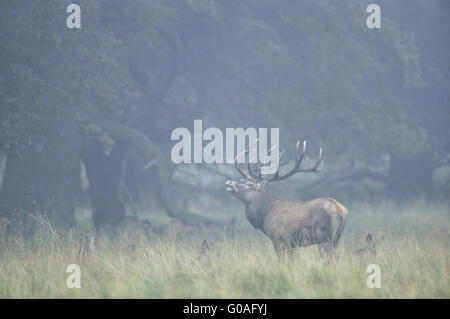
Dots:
(134, 263)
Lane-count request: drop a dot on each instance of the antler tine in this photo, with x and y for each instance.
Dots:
(277, 172)
(299, 158)
(296, 169)
(250, 172)
(259, 176)
(280, 158)
(317, 167)
(242, 172)
(249, 168)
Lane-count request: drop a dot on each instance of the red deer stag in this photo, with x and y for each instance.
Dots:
(289, 223)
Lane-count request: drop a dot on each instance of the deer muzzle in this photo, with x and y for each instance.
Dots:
(230, 186)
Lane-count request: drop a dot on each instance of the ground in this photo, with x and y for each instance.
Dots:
(136, 263)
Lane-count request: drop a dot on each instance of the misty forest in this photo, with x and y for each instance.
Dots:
(87, 178)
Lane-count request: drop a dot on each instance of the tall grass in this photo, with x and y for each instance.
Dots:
(134, 263)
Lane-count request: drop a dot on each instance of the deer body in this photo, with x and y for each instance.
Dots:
(289, 223)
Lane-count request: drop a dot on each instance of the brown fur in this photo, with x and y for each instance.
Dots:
(291, 224)
(295, 223)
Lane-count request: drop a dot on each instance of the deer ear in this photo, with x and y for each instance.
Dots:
(204, 245)
(378, 241)
(369, 239)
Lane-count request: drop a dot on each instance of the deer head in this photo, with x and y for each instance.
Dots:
(370, 247)
(253, 185)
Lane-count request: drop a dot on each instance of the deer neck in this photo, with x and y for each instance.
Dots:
(257, 210)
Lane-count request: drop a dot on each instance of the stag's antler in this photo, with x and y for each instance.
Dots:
(241, 171)
(297, 169)
(259, 177)
(247, 174)
(250, 174)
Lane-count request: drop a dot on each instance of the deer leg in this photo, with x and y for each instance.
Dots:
(289, 252)
(284, 250)
(325, 236)
(277, 247)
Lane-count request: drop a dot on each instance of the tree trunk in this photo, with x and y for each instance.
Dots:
(42, 180)
(104, 173)
(17, 197)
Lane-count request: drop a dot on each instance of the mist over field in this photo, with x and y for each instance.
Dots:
(103, 164)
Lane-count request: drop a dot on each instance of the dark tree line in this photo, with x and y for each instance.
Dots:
(105, 98)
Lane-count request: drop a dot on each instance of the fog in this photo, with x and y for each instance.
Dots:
(87, 114)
